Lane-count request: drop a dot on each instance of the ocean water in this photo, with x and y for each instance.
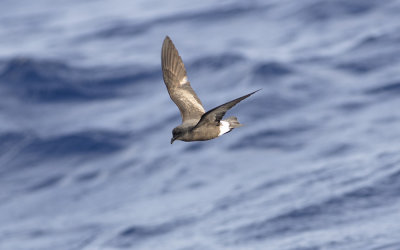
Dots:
(85, 126)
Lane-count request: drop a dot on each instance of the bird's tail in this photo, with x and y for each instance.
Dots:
(233, 122)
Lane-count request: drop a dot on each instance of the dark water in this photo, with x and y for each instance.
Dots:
(85, 125)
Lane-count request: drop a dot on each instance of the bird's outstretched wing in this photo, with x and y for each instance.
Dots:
(179, 89)
(215, 115)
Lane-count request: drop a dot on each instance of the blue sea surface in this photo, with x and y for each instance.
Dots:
(85, 126)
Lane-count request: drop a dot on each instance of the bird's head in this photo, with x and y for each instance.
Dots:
(177, 133)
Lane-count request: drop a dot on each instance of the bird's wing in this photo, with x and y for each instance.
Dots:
(179, 89)
(215, 115)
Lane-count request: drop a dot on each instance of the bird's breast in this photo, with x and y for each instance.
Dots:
(203, 133)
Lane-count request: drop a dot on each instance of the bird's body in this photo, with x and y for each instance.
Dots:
(189, 132)
(197, 125)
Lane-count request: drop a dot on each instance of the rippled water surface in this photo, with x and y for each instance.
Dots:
(85, 126)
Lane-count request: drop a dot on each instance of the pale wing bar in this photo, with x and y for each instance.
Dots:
(178, 86)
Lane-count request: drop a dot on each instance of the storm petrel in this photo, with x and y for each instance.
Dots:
(197, 125)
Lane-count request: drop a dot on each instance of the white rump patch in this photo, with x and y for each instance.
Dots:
(223, 128)
(184, 80)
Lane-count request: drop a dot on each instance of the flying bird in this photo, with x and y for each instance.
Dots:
(197, 124)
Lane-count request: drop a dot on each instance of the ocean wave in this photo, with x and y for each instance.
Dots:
(56, 81)
(216, 62)
(387, 89)
(135, 234)
(335, 210)
(384, 39)
(271, 70)
(124, 28)
(327, 10)
(46, 183)
(88, 142)
(275, 138)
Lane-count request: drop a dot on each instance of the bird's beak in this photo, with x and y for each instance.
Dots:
(172, 140)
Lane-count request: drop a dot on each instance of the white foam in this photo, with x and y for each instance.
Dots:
(223, 128)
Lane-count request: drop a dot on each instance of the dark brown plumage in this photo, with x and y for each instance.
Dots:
(197, 125)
